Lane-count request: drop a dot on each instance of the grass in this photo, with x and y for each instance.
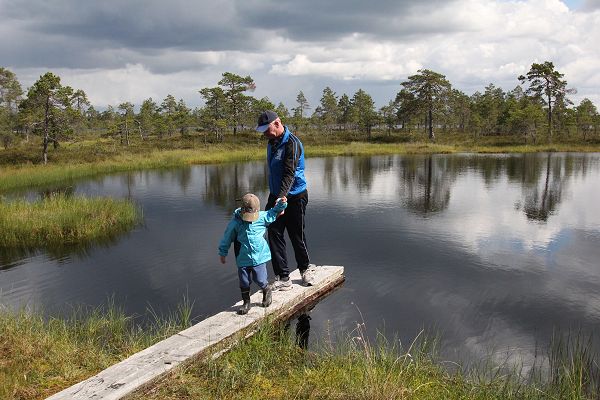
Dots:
(39, 357)
(270, 366)
(61, 220)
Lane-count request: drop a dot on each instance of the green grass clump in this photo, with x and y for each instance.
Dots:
(271, 366)
(39, 357)
(61, 220)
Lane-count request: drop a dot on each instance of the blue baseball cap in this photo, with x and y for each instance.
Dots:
(264, 119)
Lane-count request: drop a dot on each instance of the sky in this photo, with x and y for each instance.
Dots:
(130, 50)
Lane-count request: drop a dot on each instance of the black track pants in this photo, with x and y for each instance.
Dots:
(292, 220)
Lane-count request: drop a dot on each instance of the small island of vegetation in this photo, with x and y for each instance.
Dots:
(60, 220)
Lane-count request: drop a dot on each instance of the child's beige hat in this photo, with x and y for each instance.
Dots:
(250, 207)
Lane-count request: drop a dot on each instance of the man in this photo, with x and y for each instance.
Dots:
(285, 158)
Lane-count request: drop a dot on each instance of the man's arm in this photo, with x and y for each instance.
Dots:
(292, 155)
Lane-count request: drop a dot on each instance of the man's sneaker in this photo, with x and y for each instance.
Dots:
(308, 276)
(281, 284)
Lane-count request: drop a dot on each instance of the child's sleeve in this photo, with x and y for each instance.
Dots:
(273, 212)
(228, 238)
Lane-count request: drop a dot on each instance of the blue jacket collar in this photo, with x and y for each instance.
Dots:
(282, 139)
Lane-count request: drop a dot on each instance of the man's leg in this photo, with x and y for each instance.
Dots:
(277, 243)
(295, 212)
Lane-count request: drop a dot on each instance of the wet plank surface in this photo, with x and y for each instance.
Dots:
(221, 329)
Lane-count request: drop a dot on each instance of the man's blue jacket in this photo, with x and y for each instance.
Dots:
(285, 158)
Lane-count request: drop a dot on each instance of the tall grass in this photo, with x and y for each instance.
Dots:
(61, 220)
(39, 356)
(271, 366)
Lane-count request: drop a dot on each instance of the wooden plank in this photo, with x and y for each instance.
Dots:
(221, 329)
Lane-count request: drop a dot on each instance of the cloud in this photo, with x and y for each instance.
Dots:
(342, 44)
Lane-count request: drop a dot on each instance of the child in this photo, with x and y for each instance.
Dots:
(247, 230)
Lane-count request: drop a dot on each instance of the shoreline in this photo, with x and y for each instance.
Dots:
(18, 177)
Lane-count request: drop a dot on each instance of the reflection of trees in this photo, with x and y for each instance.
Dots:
(364, 169)
(227, 182)
(426, 182)
(13, 257)
(543, 200)
(184, 176)
(47, 193)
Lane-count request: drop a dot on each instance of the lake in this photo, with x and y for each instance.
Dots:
(494, 252)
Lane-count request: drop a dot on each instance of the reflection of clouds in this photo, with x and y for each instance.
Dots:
(510, 280)
(484, 220)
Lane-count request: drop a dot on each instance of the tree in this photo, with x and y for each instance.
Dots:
(282, 111)
(586, 116)
(460, 106)
(168, 111)
(213, 115)
(525, 117)
(182, 117)
(488, 107)
(406, 107)
(148, 117)
(328, 109)
(363, 111)
(302, 105)
(388, 116)
(344, 111)
(127, 121)
(429, 89)
(237, 102)
(10, 90)
(10, 95)
(80, 103)
(547, 84)
(48, 109)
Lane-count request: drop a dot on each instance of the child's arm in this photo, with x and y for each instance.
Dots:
(228, 238)
(272, 214)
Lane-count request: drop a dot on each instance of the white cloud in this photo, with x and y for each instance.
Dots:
(472, 42)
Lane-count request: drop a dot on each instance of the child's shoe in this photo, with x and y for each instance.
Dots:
(267, 296)
(246, 306)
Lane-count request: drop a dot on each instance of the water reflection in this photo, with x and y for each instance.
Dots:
(495, 251)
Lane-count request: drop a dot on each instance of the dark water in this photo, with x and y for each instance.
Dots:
(496, 252)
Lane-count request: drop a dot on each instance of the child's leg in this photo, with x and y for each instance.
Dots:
(259, 274)
(244, 275)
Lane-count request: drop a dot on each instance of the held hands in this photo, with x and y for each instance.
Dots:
(281, 200)
(223, 259)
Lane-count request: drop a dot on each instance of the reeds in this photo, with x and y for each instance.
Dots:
(271, 366)
(59, 220)
(41, 356)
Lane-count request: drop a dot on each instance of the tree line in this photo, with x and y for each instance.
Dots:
(537, 107)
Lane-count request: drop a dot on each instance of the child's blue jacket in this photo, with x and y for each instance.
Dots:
(254, 249)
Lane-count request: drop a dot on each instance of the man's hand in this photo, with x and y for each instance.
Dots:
(223, 259)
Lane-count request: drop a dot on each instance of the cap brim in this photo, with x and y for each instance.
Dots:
(250, 217)
(262, 128)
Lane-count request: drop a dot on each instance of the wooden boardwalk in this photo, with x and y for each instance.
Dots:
(219, 331)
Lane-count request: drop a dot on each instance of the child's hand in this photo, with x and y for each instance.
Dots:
(223, 259)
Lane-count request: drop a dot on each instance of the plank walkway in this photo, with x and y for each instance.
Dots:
(216, 332)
